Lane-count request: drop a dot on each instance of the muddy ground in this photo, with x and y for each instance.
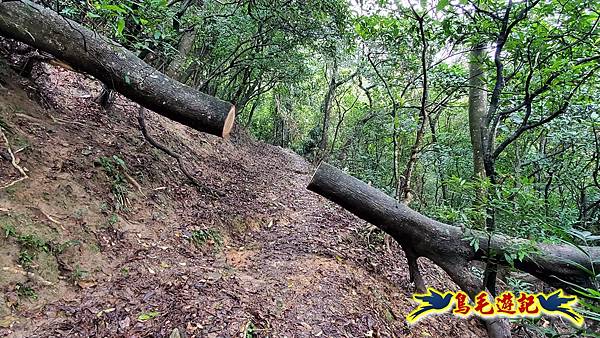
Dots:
(86, 252)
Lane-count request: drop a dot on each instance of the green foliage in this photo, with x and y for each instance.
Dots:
(202, 236)
(124, 272)
(142, 26)
(26, 258)
(24, 291)
(9, 230)
(77, 275)
(519, 251)
(277, 66)
(33, 242)
(590, 304)
(250, 330)
(114, 167)
(61, 247)
(30, 244)
(518, 285)
(473, 240)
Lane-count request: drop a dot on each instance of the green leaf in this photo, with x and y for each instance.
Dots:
(510, 259)
(113, 8)
(145, 316)
(475, 244)
(92, 15)
(119, 161)
(580, 267)
(120, 26)
(442, 4)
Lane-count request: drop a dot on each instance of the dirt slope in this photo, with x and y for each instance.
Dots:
(252, 254)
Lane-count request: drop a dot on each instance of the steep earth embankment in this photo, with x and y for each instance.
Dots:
(106, 237)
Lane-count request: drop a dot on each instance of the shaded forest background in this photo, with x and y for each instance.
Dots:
(482, 114)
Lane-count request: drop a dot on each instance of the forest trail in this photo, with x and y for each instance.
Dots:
(253, 255)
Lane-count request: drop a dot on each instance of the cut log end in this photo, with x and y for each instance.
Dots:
(312, 178)
(229, 121)
(322, 170)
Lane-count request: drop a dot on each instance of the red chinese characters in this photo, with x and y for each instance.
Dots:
(527, 304)
(505, 304)
(483, 305)
(461, 308)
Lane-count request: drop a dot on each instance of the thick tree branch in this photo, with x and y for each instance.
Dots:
(525, 125)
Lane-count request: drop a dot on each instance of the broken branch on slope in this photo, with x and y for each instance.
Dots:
(156, 144)
(13, 161)
(111, 63)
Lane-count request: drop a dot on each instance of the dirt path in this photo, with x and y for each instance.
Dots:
(254, 254)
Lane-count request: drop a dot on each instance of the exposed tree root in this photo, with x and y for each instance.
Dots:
(156, 144)
(50, 218)
(14, 162)
(134, 182)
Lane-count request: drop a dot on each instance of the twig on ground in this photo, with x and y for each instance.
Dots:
(28, 117)
(13, 161)
(55, 120)
(50, 218)
(27, 274)
(59, 120)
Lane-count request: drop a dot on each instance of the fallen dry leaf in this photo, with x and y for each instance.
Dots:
(6, 322)
(86, 284)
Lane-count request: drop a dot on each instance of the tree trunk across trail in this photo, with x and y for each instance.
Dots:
(111, 63)
(445, 245)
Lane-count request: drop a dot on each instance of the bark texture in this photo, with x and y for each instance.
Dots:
(477, 107)
(111, 63)
(326, 109)
(404, 190)
(477, 113)
(177, 67)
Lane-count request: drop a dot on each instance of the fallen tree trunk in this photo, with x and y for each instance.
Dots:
(446, 246)
(111, 63)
